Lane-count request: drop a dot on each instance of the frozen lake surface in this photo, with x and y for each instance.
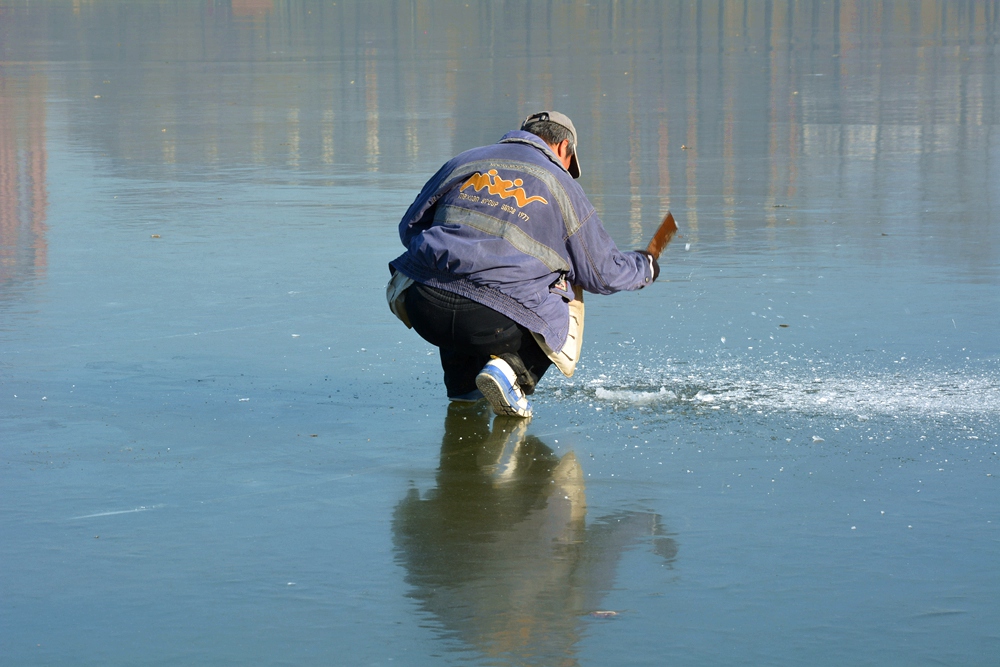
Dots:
(217, 446)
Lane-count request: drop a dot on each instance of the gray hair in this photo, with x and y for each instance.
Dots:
(550, 132)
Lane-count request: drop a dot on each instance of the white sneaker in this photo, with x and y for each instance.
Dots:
(499, 385)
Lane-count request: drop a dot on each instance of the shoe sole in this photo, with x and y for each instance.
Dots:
(497, 397)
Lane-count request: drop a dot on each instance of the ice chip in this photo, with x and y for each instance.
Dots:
(635, 397)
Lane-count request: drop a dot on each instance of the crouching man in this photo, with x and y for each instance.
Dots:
(500, 245)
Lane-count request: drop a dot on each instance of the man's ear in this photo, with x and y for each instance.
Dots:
(562, 150)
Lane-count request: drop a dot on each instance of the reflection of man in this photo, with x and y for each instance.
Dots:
(500, 242)
(500, 551)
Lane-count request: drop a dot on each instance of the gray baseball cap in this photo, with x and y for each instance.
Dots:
(560, 119)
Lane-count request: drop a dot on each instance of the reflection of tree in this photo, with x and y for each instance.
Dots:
(23, 187)
(254, 9)
(500, 552)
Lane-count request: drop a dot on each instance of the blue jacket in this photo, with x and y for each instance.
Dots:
(507, 226)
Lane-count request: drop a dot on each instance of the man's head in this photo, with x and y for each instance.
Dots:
(556, 129)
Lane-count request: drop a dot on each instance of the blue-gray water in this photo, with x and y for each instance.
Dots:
(218, 447)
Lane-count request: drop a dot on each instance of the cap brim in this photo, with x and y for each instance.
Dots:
(574, 166)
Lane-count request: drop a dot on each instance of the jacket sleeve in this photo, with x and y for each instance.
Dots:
(599, 266)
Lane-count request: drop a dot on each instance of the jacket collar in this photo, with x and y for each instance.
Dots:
(533, 140)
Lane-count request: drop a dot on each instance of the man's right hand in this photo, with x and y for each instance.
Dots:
(654, 266)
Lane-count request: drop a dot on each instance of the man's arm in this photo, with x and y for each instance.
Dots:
(600, 267)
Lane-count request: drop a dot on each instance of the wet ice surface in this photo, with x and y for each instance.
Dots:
(217, 445)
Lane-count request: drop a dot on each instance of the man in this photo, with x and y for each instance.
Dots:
(499, 243)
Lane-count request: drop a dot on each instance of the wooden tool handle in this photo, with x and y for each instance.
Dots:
(662, 236)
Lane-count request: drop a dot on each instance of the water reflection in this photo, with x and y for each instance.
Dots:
(500, 552)
(23, 181)
(252, 9)
(727, 112)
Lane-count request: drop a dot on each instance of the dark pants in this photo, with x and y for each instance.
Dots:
(468, 334)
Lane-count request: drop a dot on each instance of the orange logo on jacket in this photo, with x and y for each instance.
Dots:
(498, 186)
